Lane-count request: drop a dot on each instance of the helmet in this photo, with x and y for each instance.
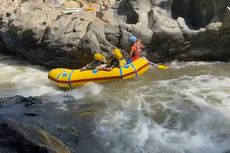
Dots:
(117, 53)
(132, 38)
(99, 57)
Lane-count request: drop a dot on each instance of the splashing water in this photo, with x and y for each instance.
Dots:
(186, 114)
(19, 78)
(184, 109)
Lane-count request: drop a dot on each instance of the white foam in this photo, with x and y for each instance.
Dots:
(179, 65)
(199, 110)
(25, 80)
(90, 89)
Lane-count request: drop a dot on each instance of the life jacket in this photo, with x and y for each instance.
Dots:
(137, 49)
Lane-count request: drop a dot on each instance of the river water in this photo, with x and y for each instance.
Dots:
(185, 109)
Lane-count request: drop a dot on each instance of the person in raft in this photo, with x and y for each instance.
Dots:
(117, 60)
(136, 48)
(99, 62)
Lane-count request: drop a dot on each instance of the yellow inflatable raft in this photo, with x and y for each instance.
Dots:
(67, 78)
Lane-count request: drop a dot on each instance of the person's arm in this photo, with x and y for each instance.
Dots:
(110, 65)
(88, 66)
(84, 68)
(142, 46)
(131, 52)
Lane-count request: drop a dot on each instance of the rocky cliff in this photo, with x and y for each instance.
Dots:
(184, 30)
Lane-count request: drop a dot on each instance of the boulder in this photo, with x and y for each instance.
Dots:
(143, 32)
(110, 16)
(54, 3)
(126, 31)
(16, 137)
(112, 33)
(95, 38)
(31, 5)
(226, 17)
(30, 26)
(188, 33)
(166, 30)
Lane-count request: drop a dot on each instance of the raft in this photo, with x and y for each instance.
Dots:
(68, 78)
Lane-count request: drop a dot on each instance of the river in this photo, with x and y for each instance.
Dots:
(185, 109)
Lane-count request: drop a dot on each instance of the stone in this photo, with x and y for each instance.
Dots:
(111, 16)
(226, 17)
(31, 5)
(112, 33)
(143, 32)
(54, 3)
(21, 138)
(187, 32)
(72, 4)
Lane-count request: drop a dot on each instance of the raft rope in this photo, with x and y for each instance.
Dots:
(121, 75)
(69, 79)
(135, 70)
(59, 75)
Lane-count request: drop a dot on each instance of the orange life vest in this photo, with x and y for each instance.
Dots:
(137, 49)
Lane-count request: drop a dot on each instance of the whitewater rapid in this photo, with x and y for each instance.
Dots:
(185, 109)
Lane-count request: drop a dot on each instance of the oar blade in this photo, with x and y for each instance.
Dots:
(163, 67)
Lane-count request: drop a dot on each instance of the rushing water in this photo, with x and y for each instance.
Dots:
(185, 109)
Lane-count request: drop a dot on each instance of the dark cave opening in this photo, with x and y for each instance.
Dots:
(197, 13)
(126, 9)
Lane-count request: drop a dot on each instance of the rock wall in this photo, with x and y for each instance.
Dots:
(171, 30)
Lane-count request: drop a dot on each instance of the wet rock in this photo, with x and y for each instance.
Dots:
(215, 39)
(21, 138)
(47, 126)
(226, 17)
(3, 47)
(32, 114)
(30, 101)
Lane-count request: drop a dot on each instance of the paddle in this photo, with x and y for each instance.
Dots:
(163, 67)
(71, 10)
